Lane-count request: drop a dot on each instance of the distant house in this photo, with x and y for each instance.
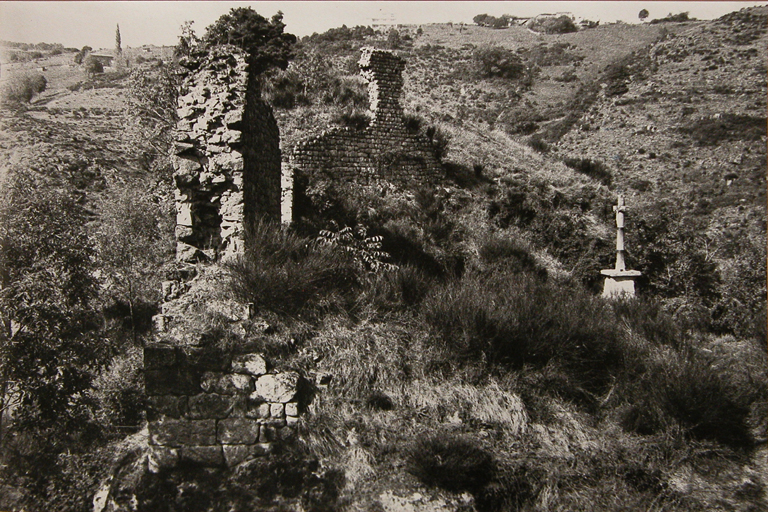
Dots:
(103, 56)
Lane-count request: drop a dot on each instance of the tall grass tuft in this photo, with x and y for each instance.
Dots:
(509, 321)
(286, 273)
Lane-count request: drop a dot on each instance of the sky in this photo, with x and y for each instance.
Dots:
(76, 24)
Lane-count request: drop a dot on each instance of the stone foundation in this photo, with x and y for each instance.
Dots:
(619, 283)
(214, 409)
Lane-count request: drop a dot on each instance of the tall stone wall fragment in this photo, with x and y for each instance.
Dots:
(226, 156)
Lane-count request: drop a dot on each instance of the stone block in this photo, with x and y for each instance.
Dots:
(267, 434)
(184, 233)
(252, 364)
(206, 359)
(260, 410)
(274, 422)
(183, 214)
(166, 405)
(292, 409)
(172, 432)
(186, 165)
(236, 454)
(226, 383)
(210, 405)
(291, 421)
(171, 381)
(157, 356)
(161, 457)
(238, 431)
(276, 410)
(208, 456)
(234, 118)
(279, 388)
(186, 253)
(261, 449)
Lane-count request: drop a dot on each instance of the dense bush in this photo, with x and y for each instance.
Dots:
(92, 65)
(553, 25)
(725, 127)
(264, 40)
(497, 61)
(485, 20)
(511, 320)
(23, 87)
(673, 18)
(684, 392)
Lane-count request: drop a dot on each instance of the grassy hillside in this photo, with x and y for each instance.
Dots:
(459, 354)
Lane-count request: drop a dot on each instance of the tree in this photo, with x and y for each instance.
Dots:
(187, 40)
(93, 65)
(118, 47)
(264, 40)
(643, 14)
(152, 115)
(82, 54)
(51, 350)
(132, 240)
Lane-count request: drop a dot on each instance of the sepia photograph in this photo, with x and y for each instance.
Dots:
(383, 256)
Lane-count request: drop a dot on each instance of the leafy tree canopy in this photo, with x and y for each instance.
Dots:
(264, 40)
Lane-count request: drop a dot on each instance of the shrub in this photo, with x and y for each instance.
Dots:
(725, 127)
(508, 321)
(497, 61)
(93, 65)
(451, 462)
(684, 392)
(537, 143)
(285, 273)
(511, 255)
(551, 25)
(592, 168)
(22, 88)
(119, 391)
(354, 119)
(404, 287)
(348, 91)
(673, 18)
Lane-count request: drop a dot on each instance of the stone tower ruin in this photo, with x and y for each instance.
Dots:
(226, 157)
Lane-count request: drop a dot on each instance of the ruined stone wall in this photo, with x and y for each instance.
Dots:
(385, 150)
(209, 405)
(213, 409)
(226, 156)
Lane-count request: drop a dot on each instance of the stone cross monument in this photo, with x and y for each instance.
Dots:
(618, 280)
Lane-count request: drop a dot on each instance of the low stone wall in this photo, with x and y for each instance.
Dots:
(213, 409)
(385, 150)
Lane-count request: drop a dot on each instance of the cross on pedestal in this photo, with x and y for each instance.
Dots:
(619, 281)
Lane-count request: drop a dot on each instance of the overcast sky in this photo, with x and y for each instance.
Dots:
(76, 24)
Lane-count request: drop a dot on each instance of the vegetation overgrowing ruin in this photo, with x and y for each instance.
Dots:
(427, 333)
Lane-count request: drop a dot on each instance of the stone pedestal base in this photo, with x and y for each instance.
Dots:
(619, 283)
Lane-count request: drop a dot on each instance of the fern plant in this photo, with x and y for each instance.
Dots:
(365, 250)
